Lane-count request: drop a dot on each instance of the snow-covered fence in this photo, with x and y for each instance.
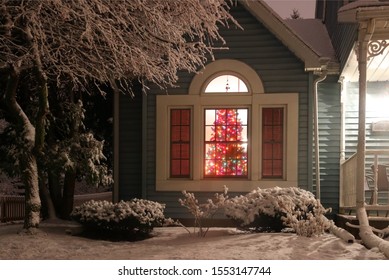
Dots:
(81, 198)
(12, 206)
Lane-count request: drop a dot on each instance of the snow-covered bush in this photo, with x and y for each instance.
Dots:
(204, 210)
(289, 207)
(125, 219)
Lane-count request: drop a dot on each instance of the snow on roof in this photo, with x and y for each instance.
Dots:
(314, 33)
(364, 4)
(284, 33)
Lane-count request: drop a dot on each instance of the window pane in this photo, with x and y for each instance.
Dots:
(175, 168)
(226, 142)
(226, 83)
(185, 167)
(210, 117)
(211, 151)
(175, 133)
(277, 151)
(185, 133)
(176, 117)
(243, 134)
(185, 151)
(176, 151)
(209, 133)
(185, 117)
(242, 116)
(267, 151)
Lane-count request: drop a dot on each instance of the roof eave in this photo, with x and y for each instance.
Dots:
(359, 14)
(260, 10)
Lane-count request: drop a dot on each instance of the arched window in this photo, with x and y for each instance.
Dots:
(226, 131)
(226, 83)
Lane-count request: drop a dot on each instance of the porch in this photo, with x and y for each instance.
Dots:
(376, 187)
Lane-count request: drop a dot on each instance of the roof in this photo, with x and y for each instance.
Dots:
(313, 57)
(373, 16)
(363, 4)
(314, 33)
(364, 10)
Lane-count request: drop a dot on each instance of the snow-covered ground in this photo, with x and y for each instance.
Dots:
(57, 242)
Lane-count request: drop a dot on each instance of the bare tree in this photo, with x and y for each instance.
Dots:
(107, 41)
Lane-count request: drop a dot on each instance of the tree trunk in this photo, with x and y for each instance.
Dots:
(55, 190)
(48, 209)
(27, 159)
(369, 239)
(68, 194)
(32, 199)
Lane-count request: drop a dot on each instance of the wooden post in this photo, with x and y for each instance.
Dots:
(363, 40)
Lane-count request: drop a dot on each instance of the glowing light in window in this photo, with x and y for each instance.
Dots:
(226, 142)
(226, 83)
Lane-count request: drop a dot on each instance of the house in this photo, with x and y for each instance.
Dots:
(275, 109)
(359, 33)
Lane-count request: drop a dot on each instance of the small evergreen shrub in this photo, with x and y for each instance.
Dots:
(132, 219)
(280, 208)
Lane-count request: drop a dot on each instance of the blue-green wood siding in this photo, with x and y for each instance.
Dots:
(329, 114)
(375, 91)
(281, 72)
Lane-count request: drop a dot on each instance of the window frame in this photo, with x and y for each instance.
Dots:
(179, 142)
(205, 142)
(198, 101)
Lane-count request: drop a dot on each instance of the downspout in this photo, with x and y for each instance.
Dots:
(310, 132)
(322, 77)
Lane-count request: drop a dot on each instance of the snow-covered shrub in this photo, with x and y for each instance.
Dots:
(291, 207)
(204, 210)
(125, 219)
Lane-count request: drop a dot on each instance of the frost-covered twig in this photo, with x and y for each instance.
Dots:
(295, 207)
(203, 211)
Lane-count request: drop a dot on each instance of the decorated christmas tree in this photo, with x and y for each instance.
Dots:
(226, 143)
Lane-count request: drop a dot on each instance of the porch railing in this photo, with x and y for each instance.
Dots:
(12, 207)
(348, 180)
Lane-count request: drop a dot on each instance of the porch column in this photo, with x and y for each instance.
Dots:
(365, 31)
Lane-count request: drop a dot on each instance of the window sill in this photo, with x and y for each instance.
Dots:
(217, 185)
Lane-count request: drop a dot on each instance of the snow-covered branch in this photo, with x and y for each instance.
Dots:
(103, 39)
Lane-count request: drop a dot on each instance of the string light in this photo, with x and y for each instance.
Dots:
(226, 153)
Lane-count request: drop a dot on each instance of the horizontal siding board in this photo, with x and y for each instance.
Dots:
(329, 140)
(373, 140)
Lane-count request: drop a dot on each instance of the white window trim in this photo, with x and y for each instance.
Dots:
(198, 101)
